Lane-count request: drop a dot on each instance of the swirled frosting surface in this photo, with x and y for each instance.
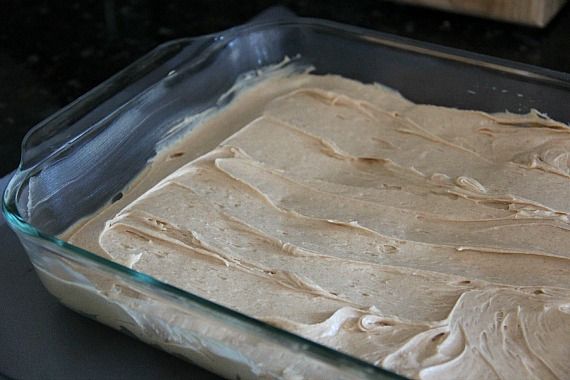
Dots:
(430, 241)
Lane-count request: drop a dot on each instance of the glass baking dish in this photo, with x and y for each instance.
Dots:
(83, 157)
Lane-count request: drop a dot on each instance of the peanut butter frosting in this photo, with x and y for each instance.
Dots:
(429, 241)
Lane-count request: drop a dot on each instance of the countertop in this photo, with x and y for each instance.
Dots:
(52, 52)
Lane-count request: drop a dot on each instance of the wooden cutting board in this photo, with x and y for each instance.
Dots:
(529, 12)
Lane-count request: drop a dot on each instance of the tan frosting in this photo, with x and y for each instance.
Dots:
(426, 240)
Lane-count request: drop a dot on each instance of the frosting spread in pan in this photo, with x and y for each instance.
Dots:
(427, 240)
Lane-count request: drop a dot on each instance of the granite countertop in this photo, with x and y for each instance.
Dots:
(52, 52)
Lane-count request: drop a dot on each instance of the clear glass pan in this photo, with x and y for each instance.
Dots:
(81, 157)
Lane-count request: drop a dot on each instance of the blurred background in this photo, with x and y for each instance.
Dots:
(51, 52)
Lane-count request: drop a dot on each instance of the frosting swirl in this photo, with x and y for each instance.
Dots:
(427, 240)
